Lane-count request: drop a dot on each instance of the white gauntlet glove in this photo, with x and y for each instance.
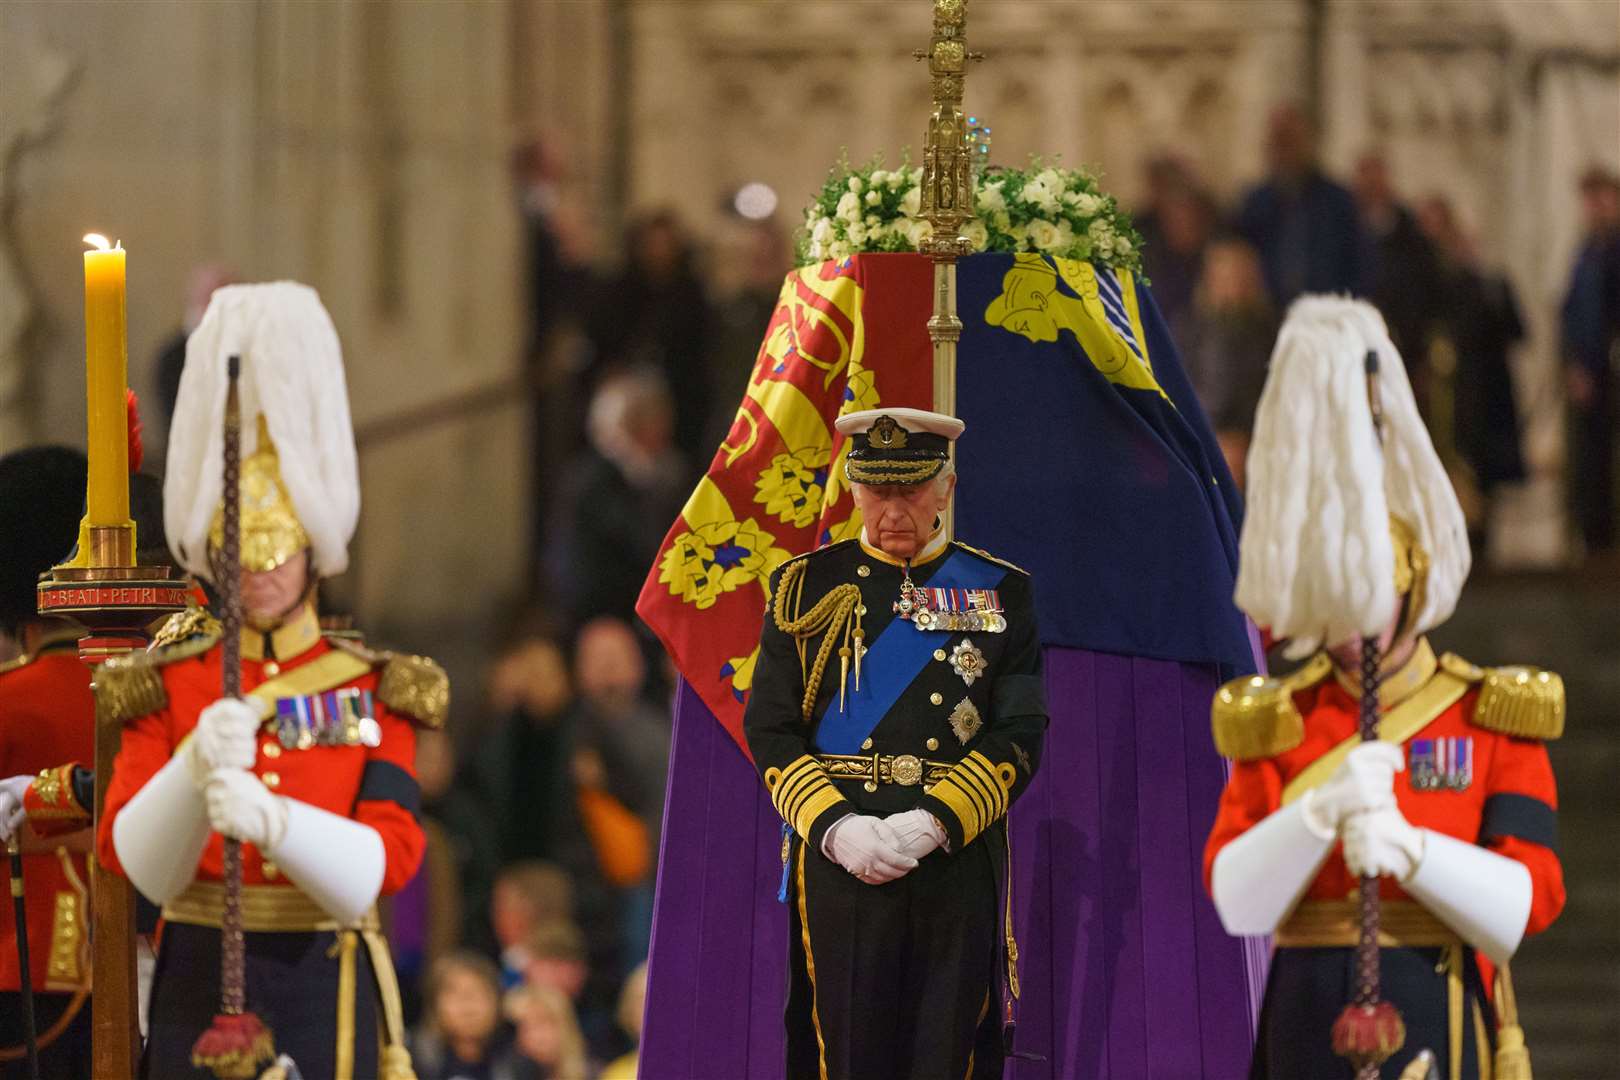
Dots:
(242, 808)
(226, 737)
(12, 814)
(918, 832)
(1364, 781)
(1382, 843)
(868, 848)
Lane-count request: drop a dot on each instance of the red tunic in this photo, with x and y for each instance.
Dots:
(375, 786)
(48, 719)
(1509, 805)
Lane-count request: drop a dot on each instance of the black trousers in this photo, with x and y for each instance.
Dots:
(897, 980)
(292, 984)
(1308, 988)
(68, 1055)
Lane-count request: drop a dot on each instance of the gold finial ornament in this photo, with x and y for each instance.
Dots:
(271, 531)
(947, 192)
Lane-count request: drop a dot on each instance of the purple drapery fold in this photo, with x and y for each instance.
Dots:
(1125, 970)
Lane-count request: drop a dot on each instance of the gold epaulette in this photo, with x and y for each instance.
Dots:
(182, 626)
(413, 686)
(1254, 717)
(127, 687)
(986, 555)
(131, 686)
(1526, 702)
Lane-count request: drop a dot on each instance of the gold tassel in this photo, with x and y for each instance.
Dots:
(1512, 1055)
(396, 1063)
(860, 651)
(843, 674)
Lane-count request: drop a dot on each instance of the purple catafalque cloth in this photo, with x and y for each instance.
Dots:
(1125, 970)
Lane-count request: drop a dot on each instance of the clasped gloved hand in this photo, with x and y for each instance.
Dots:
(867, 847)
(1364, 781)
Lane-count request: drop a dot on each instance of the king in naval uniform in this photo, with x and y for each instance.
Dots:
(313, 767)
(1353, 530)
(896, 713)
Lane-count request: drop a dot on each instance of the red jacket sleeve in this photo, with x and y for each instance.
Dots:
(143, 751)
(390, 801)
(1521, 821)
(1253, 792)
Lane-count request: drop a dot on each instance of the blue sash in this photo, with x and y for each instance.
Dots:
(893, 661)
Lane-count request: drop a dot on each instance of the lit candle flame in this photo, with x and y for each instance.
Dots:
(97, 241)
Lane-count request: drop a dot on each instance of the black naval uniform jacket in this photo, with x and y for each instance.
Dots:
(974, 767)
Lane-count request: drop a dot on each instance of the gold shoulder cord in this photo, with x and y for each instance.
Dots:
(836, 616)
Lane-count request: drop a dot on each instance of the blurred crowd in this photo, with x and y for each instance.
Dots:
(522, 942)
(1224, 275)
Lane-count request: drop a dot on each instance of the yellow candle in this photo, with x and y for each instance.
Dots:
(106, 376)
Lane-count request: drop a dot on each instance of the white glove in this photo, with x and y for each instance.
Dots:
(1382, 843)
(868, 848)
(918, 831)
(1483, 896)
(241, 807)
(226, 737)
(12, 814)
(1364, 781)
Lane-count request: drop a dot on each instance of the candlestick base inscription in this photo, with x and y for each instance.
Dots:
(111, 601)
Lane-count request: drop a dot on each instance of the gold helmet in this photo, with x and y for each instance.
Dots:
(300, 492)
(271, 532)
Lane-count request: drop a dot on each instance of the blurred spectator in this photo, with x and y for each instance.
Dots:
(616, 718)
(171, 357)
(527, 896)
(522, 768)
(632, 1006)
(1303, 224)
(655, 314)
(461, 1038)
(1472, 395)
(557, 255)
(548, 1036)
(557, 958)
(1404, 272)
(621, 498)
(1591, 325)
(441, 906)
(559, 289)
(1226, 340)
(1178, 220)
(740, 321)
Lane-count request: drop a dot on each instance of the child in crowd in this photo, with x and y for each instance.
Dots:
(527, 895)
(548, 1036)
(632, 1003)
(462, 1037)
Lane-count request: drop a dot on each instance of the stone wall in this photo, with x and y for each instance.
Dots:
(360, 148)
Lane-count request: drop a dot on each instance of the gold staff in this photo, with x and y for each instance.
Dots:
(947, 193)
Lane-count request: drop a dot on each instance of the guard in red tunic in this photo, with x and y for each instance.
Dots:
(1353, 531)
(313, 766)
(47, 722)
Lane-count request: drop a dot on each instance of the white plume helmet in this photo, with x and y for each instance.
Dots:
(1317, 563)
(292, 373)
